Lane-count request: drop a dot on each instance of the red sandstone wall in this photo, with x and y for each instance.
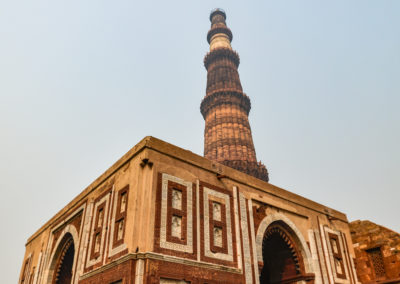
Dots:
(377, 252)
(122, 273)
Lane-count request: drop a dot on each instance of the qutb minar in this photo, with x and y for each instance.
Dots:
(225, 108)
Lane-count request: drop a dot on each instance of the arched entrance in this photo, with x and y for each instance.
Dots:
(65, 260)
(282, 260)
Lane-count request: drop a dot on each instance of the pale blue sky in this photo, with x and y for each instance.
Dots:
(81, 82)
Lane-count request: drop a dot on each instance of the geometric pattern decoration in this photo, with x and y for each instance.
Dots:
(176, 222)
(98, 230)
(217, 225)
(118, 222)
(321, 274)
(375, 256)
(335, 257)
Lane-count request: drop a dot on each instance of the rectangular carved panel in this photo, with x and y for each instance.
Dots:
(175, 217)
(98, 232)
(217, 225)
(375, 256)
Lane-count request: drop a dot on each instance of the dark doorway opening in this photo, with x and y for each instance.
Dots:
(63, 271)
(282, 260)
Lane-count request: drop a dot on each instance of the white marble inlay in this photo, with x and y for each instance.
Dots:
(119, 226)
(100, 239)
(315, 257)
(237, 233)
(176, 226)
(123, 202)
(177, 199)
(334, 246)
(207, 238)
(217, 238)
(246, 240)
(189, 218)
(120, 232)
(329, 247)
(217, 211)
(97, 243)
(253, 241)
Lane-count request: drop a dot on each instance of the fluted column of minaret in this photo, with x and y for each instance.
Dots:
(225, 108)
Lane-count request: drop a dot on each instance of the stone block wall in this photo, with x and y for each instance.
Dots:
(377, 252)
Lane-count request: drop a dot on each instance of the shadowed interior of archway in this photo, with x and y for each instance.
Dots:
(282, 261)
(63, 271)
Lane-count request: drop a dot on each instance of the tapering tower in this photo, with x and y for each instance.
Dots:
(225, 108)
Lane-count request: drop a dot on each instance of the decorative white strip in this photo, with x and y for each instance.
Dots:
(27, 267)
(41, 268)
(85, 234)
(253, 241)
(108, 237)
(78, 263)
(207, 251)
(354, 269)
(245, 236)
(325, 275)
(46, 257)
(331, 258)
(237, 227)
(35, 279)
(314, 255)
(198, 218)
(189, 211)
(326, 253)
(139, 271)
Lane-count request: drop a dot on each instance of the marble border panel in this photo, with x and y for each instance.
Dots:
(330, 259)
(105, 199)
(248, 273)
(164, 243)
(207, 192)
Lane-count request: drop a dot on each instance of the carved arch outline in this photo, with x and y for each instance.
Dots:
(55, 254)
(297, 238)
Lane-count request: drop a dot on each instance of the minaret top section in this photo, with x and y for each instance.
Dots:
(219, 35)
(217, 11)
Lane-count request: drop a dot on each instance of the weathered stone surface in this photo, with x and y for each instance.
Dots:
(377, 252)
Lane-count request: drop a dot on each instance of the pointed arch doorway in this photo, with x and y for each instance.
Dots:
(282, 260)
(64, 261)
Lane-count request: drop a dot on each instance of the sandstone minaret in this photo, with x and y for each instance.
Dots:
(225, 108)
